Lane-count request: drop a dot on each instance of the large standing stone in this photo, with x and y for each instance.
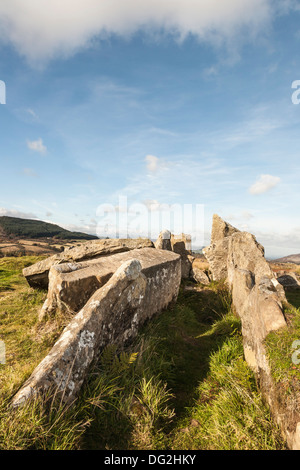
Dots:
(216, 253)
(244, 252)
(221, 229)
(257, 299)
(37, 274)
(113, 314)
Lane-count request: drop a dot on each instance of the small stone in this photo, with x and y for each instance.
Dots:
(195, 423)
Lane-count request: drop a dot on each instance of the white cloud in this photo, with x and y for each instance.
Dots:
(264, 183)
(152, 163)
(37, 146)
(16, 213)
(244, 216)
(40, 29)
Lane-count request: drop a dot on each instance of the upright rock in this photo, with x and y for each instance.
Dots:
(216, 253)
(221, 229)
(186, 258)
(257, 299)
(164, 241)
(245, 253)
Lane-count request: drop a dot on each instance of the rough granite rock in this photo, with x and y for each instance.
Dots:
(178, 246)
(289, 280)
(37, 274)
(72, 284)
(164, 241)
(216, 253)
(197, 272)
(221, 229)
(112, 315)
(244, 252)
(257, 298)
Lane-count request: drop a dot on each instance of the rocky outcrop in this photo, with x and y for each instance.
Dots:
(113, 314)
(244, 252)
(257, 299)
(72, 284)
(37, 274)
(216, 252)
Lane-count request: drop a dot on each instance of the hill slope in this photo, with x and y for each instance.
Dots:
(28, 228)
(289, 259)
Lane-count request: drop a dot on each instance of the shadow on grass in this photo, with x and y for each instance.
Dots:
(185, 338)
(293, 297)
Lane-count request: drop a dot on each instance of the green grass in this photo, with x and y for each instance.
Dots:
(293, 297)
(282, 353)
(283, 350)
(202, 395)
(26, 341)
(183, 384)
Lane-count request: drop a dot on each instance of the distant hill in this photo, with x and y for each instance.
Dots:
(288, 259)
(27, 228)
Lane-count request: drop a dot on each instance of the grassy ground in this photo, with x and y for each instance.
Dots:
(189, 386)
(183, 384)
(284, 348)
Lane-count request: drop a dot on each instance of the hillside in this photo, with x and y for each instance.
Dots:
(11, 227)
(289, 259)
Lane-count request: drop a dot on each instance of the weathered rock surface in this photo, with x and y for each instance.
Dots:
(216, 253)
(198, 273)
(37, 274)
(178, 246)
(72, 284)
(289, 280)
(221, 229)
(257, 298)
(244, 252)
(164, 241)
(113, 314)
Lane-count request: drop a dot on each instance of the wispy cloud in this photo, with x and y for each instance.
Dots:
(263, 184)
(29, 172)
(37, 146)
(260, 124)
(32, 113)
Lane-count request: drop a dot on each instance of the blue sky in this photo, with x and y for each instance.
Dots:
(162, 103)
